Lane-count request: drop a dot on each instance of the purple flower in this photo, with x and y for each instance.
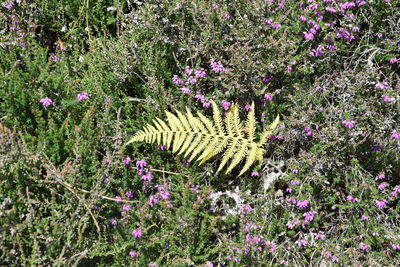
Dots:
(186, 90)
(276, 26)
(225, 104)
(308, 36)
(206, 104)
(255, 174)
(46, 101)
(291, 200)
(8, 4)
(393, 60)
(137, 233)
(218, 67)
(267, 79)
(247, 107)
(82, 96)
(382, 186)
(199, 96)
(289, 190)
(152, 264)
(382, 85)
(141, 164)
(302, 18)
(364, 246)
(126, 160)
(396, 246)
(395, 135)
(330, 9)
(348, 124)
(294, 182)
(295, 171)
(129, 194)
(386, 98)
(176, 80)
(161, 147)
(352, 199)
(192, 80)
(302, 204)
(133, 254)
(381, 203)
(126, 207)
(380, 176)
(153, 200)
(200, 73)
(320, 235)
(188, 70)
(246, 209)
(319, 51)
(302, 243)
(268, 97)
(147, 176)
(113, 222)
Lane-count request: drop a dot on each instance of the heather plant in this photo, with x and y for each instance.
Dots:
(80, 78)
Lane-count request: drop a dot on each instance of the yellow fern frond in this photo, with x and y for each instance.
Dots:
(203, 138)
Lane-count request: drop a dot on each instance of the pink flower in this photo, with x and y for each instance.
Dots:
(364, 246)
(133, 254)
(386, 98)
(302, 243)
(225, 104)
(348, 124)
(218, 67)
(395, 135)
(176, 80)
(381, 203)
(255, 174)
(206, 104)
(352, 199)
(46, 101)
(382, 186)
(380, 176)
(126, 207)
(382, 85)
(192, 80)
(247, 107)
(188, 70)
(114, 222)
(129, 194)
(200, 73)
(393, 60)
(137, 233)
(186, 90)
(364, 218)
(289, 190)
(291, 200)
(396, 246)
(268, 97)
(126, 160)
(294, 182)
(320, 235)
(302, 204)
(82, 96)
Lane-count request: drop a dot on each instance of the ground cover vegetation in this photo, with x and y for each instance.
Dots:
(79, 79)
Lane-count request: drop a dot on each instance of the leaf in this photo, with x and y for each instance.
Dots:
(204, 138)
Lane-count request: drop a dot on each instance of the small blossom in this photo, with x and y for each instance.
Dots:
(152, 264)
(396, 246)
(364, 246)
(126, 160)
(113, 222)
(289, 190)
(381, 203)
(268, 97)
(186, 90)
(375, 234)
(82, 96)
(126, 207)
(192, 80)
(199, 96)
(393, 60)
(382, 186)
(302, 204)
(188, 70)
(247, 107)
(320, 235)
(46, 101)
(225, 104)
(352, 199)
(129, 194)
(395, 135)
(380, 176)
(386, 98)
(133, 254)
(348, 124)
(137, 233)
(177, 80)
(218, 67)
(200, 73)
(364, 218)
(255, 174)
(294, 182)
(267, 79)
(382, 85)
(206, 104)
(302, 243)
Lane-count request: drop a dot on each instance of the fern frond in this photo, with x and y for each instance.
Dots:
(203, 138)
(251, 123)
